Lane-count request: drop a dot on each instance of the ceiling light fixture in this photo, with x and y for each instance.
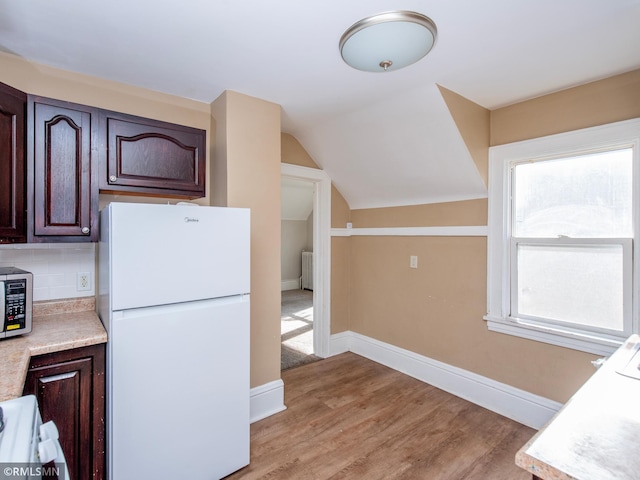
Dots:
(388, 41)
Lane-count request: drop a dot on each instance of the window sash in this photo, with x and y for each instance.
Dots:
(501, 157)
(564, 157)
(574, 327)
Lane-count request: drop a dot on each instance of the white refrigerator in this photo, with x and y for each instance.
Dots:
(174, 298)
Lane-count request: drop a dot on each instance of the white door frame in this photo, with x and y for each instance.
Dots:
(321, 252)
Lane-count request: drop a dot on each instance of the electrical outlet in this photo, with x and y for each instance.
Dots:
(83, 281)
(413, 261)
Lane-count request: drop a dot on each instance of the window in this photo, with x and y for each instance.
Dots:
(561, 244)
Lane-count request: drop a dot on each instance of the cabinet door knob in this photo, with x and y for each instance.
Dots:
(85, 230)
(113, 178)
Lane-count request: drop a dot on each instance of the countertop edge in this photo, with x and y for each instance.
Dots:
(57, 326)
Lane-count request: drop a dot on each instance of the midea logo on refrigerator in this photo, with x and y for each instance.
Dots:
(189, 220)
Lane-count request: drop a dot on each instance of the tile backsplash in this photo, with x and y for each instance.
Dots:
(60, 270)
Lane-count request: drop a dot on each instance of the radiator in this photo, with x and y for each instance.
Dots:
(307, 271)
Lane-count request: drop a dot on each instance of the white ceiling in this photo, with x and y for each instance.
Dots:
(384, 138)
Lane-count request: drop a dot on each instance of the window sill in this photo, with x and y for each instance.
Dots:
(585, 343)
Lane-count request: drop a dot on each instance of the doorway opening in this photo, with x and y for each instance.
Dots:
(305, 256)
(296, 254)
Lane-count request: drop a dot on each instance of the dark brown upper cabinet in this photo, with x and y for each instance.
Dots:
(56, 157)
(62, 192)
(151, 157)
(13, 104)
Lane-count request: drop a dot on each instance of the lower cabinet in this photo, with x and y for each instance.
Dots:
(70, 388)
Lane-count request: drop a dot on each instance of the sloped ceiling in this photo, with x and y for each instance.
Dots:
(384, 138)
(297, 199)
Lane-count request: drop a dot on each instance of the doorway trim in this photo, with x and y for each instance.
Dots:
(321, 252)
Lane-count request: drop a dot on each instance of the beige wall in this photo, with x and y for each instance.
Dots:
(605, 101)
(294, 154)
(473, 122)
(467, 212)
(250, 171)
(340, 265)
(436, 310)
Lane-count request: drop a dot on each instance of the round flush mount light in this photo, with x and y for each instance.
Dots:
(388, 41)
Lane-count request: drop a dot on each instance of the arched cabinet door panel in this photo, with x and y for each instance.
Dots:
(147, 156)
(62, 181)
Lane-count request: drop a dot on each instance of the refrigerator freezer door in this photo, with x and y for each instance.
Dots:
(162, 254)
(179, 401)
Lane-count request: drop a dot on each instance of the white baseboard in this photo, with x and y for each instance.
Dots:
(519, 405)
(289, 285)
(340, 343)
(266, 400)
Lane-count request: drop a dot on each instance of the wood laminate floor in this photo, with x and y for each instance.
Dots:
(351, 418)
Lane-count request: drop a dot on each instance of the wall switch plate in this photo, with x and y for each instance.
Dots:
(413, 261)
(83, 280)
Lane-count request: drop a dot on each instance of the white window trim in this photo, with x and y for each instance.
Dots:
(501, 158)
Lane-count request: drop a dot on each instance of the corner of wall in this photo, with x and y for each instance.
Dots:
(217, 180)
(473, 122)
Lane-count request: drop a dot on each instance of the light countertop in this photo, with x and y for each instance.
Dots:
(596, 435)
(57, 325)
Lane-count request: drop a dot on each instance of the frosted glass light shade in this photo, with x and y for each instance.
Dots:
(388, 41)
